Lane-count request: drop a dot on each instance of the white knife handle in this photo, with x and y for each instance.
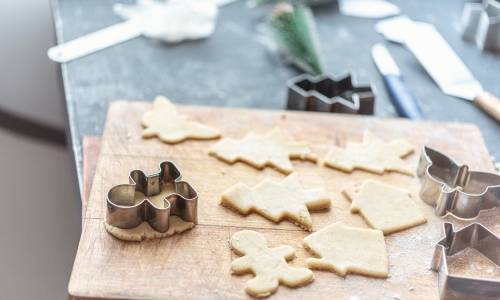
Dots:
(488, 103)
(95, 41)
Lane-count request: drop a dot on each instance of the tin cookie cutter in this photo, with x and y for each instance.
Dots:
(329, 93)
(481, 23)
(122, 212)
(454, 189)
(457, 287)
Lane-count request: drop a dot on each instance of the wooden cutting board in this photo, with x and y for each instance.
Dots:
(196, 263)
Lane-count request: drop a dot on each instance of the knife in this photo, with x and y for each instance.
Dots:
(441, 62)
(401, 96)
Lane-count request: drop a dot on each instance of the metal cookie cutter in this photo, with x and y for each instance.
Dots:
(454, 189)
(122, 212)
(457, 287)
(329, 93)
(481, 22)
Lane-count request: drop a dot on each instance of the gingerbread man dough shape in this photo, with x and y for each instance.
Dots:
(268, 264)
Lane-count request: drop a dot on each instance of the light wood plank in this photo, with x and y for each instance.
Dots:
(195, 264)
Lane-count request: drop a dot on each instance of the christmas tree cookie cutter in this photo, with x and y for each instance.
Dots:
(122, 213)
(330, 93)
(454, 189)
(458, 287)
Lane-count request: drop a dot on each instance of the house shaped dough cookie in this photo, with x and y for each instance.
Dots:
(384, 207)
(343, 249)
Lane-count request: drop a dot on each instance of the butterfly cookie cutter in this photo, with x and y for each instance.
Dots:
(329, 93)
(458, 287)
(123, 213)
(454, 189)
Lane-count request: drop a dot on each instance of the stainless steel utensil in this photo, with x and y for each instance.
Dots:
(401, 96)
(440, 61)
(122, 213)
(454, 189)
(456, 287)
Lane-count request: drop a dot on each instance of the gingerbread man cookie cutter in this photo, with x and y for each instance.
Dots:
(123, 213)
(455, 189)
(458, 287)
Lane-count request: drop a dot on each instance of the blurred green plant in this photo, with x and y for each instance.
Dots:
(294, 31)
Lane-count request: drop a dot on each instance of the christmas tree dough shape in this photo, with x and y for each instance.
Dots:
(384, 207)
(276, 201)
(269, 265)
(372, 155)
(145, 231)
(170, 127)
(343, 249)
(258, 151)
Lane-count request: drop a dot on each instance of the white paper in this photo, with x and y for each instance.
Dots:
(368, 8)
(394, 29)
(172, 21)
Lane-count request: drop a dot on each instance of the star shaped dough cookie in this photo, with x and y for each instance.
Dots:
(258, 151)
(170, 127)
(268, 264)
(276, 201)
(343, 249)
(384, 207)
(373, 155)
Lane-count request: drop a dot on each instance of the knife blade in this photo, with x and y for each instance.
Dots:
(95, 41)
(401, 96)
(441, 62)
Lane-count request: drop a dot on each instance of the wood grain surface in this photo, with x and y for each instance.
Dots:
(489, 103)
(90, 153)
(196, 264)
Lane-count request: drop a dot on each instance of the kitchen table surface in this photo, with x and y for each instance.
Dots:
(234, 68)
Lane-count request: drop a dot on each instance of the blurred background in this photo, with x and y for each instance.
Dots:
(39, 208)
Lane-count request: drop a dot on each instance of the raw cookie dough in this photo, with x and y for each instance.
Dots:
(267, 264)
(384, 207)
(373, 155)
(170, 127)
(343, 249)
(276, 201)
(258, 151)
(157, 200)
(145, 231)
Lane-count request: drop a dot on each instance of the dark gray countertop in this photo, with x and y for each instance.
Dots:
(233, 68)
